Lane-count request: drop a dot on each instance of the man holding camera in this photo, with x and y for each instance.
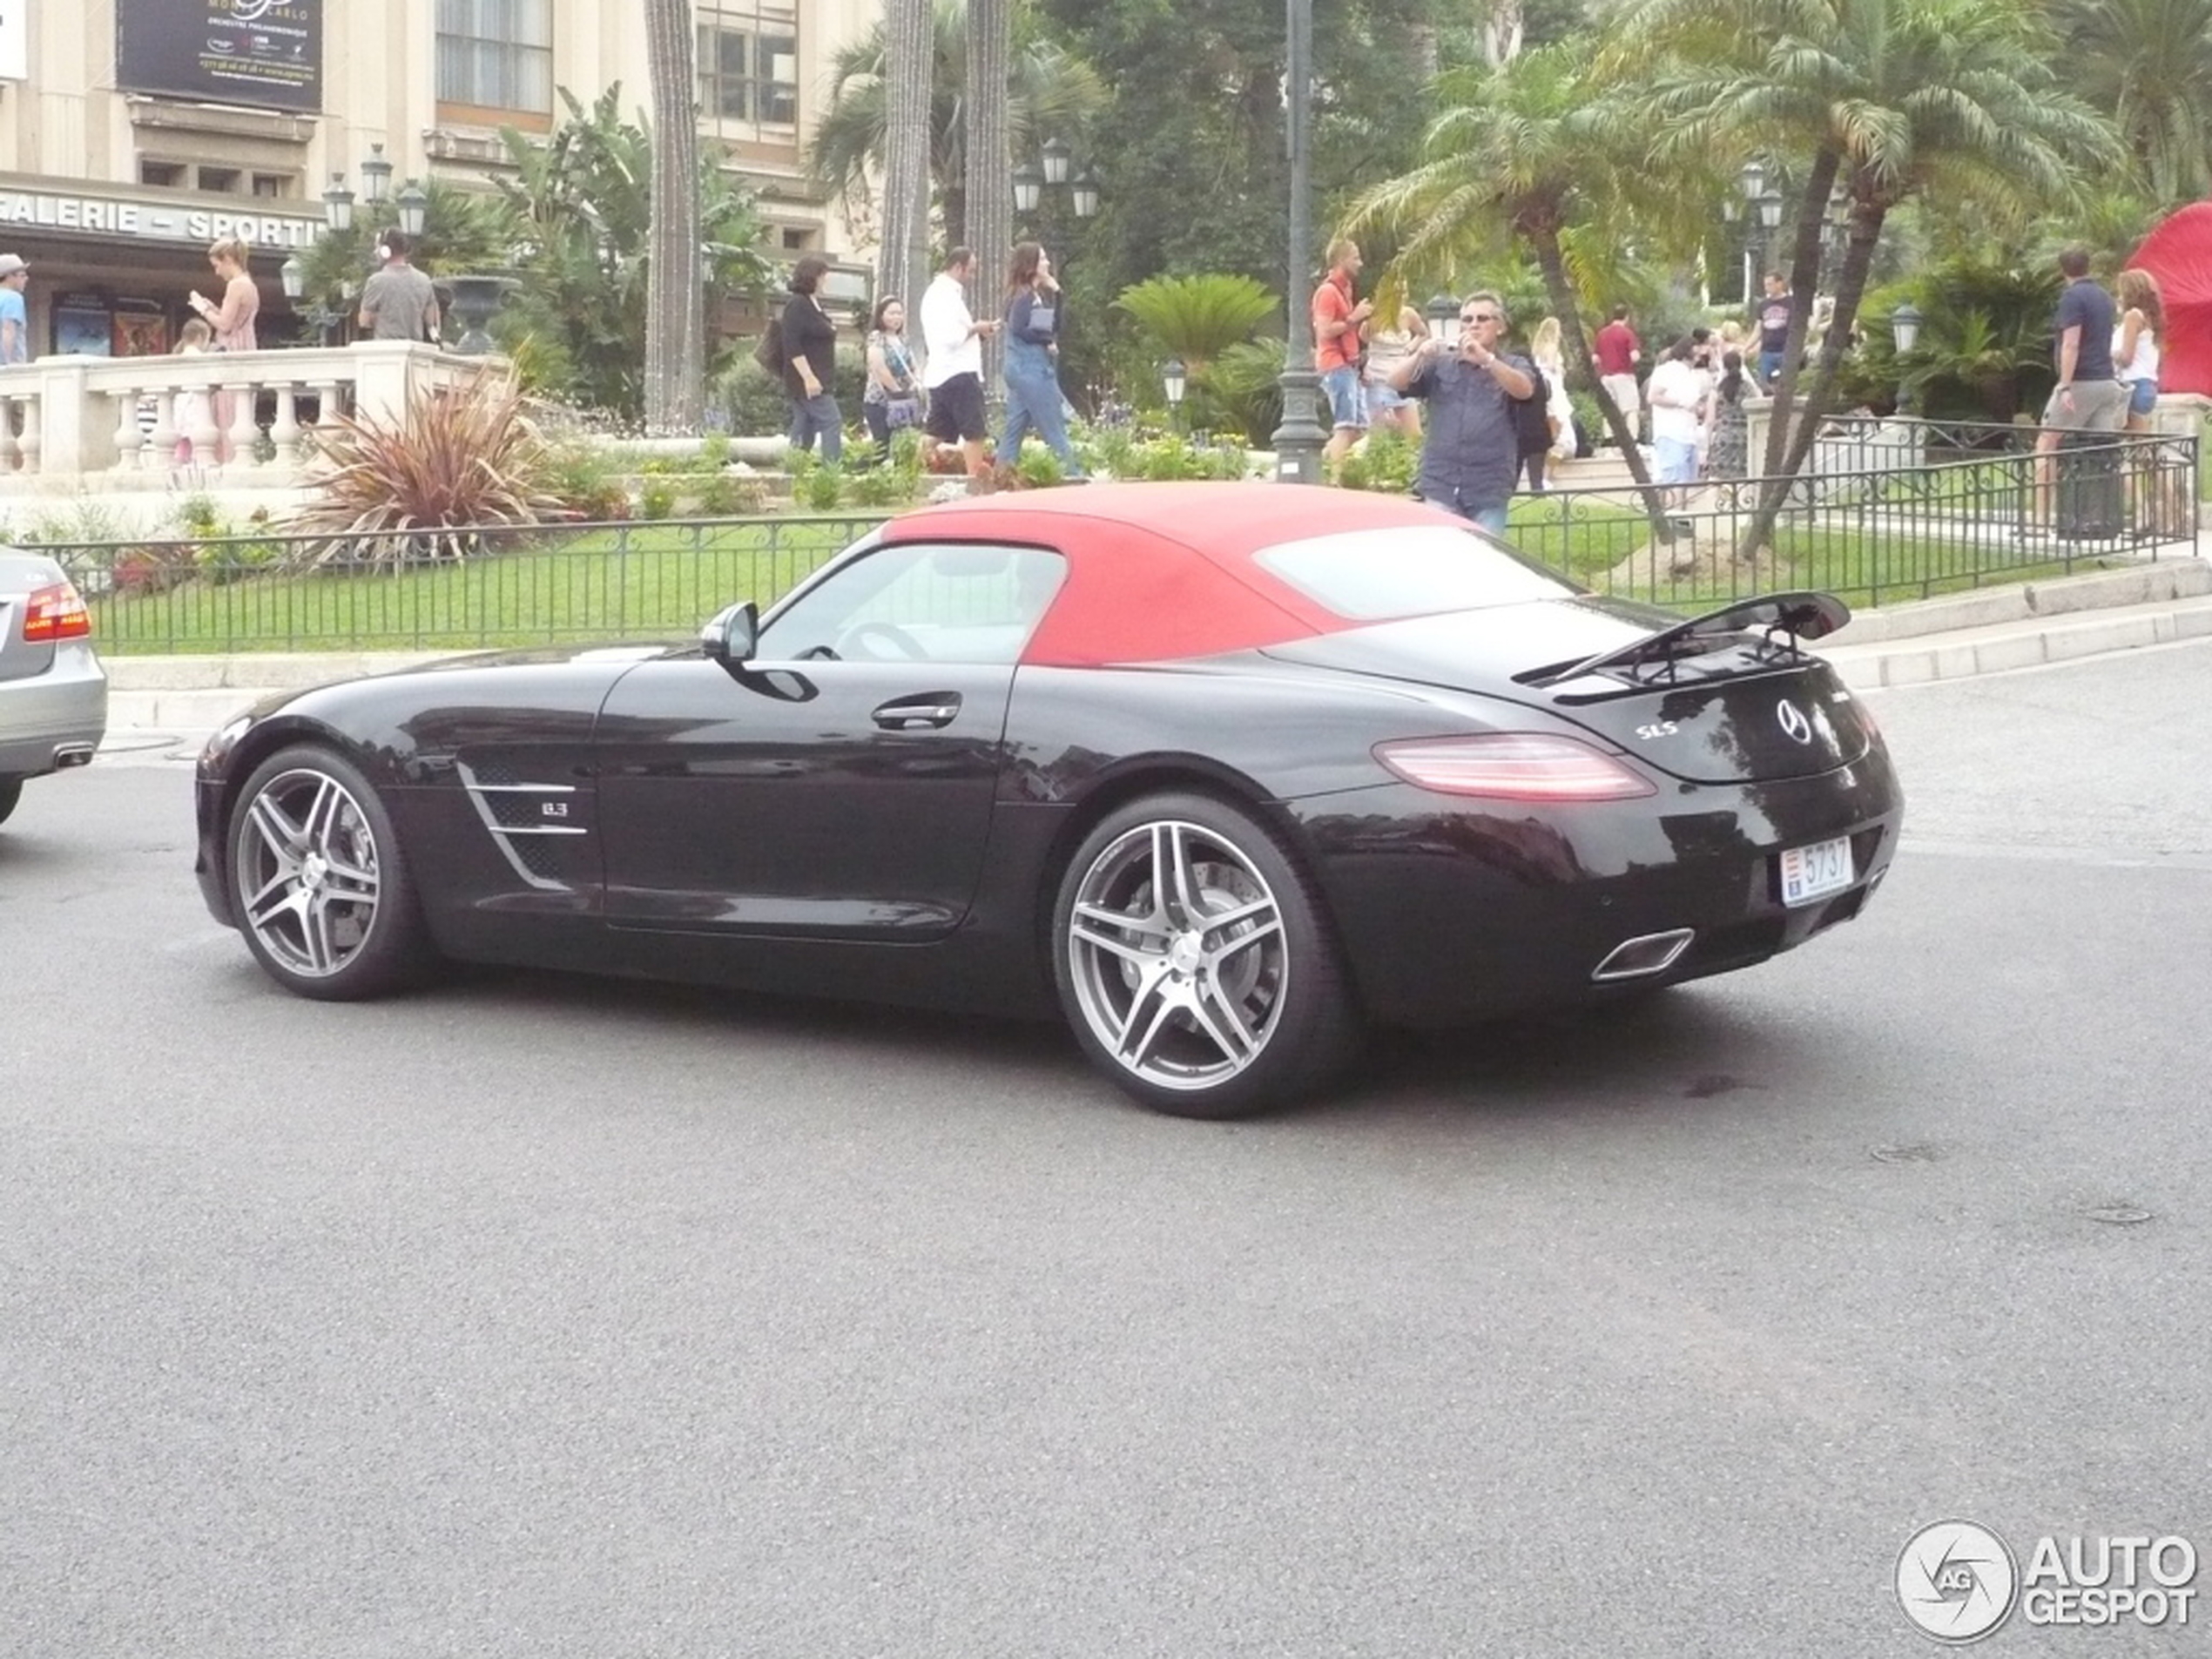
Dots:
(1473, 453)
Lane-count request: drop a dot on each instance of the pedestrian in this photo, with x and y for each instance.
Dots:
(2086, 397)
(1774, 329)
(231, 319)
(1727, 422)
(1387, 410)
(1338, 318)
(1472, 457)
(15, 318)
(2139, 342)
(810, 363)
(952, 342)
(891, 400)
(398, 302)
(193, 339)
(1614, 354)
(1676, 394)
(1035, 315)
(1547, 350)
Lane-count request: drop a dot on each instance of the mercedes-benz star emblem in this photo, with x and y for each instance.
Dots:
(1793, 721)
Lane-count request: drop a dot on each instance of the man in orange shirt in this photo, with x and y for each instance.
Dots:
(1337, 318)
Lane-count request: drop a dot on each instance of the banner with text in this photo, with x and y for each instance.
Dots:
(265, 52)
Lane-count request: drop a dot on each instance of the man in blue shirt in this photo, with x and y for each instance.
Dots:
(1471, 455)
(2088, 397)
(15, 321)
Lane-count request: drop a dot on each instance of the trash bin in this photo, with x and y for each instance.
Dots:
(2093, 496)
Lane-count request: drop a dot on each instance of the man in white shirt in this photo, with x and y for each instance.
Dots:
(1676, 392)
(953, 374)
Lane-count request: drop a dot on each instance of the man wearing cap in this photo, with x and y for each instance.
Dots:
(15, 321)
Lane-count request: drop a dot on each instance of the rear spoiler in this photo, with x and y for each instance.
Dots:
(1785, 620)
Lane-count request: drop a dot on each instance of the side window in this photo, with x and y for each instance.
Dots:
(925, 602)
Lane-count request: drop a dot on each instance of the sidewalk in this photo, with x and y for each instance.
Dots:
(1984, 631)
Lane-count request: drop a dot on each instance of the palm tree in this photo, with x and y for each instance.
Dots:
(675, 323)
(988, 162)
(1051, 93)
(1892, 99)
(2148, 65)
(1538, 145)
(909, 56)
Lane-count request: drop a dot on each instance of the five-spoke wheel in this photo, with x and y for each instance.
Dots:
(1194, 962)
(319, 886)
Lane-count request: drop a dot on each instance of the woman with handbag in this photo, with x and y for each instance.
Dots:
(1033, 327)
(893, 396)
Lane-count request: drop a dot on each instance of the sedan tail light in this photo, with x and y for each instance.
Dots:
(54, 612)
(1513, 765)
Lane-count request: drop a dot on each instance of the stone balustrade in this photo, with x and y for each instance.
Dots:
(101, 423)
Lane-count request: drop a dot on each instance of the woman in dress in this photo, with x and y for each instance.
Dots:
(231, 321)
(1547, 347)
(1387, 348)
(1726, 421)
(892, 397)
(1034, 319)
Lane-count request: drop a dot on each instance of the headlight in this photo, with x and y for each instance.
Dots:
(219, 746)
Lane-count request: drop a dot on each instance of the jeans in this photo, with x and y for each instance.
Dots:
(1770, 367)
(1034, 403)
(817, 416)
(1491, 518)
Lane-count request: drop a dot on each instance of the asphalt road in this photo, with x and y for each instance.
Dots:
(533, 1316)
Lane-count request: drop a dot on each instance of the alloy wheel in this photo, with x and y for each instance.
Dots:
(307, 873)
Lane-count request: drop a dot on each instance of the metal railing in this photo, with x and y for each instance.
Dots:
(458, 590)
(1884, 511)
(1946, 516)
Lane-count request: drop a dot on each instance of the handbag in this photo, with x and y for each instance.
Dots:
(901, 412)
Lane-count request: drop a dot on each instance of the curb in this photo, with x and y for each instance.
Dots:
(2187, 577)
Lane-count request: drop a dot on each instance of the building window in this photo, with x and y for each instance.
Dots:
(497, 55)
(749, 64)
(223, 180)
(797, 240)
(171, 173)
(271, 186)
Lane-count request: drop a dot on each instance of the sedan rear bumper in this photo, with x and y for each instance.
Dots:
(53, 718)
(1455, 912)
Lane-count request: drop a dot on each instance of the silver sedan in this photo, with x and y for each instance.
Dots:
(53, 693)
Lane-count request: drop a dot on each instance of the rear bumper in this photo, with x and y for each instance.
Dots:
(45, 717)
(1449, 915)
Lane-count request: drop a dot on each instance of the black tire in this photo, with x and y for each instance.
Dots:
(1225, 998)
(11, 793)
(319, 882)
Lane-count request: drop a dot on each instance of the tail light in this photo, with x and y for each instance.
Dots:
(1513, 765)
(54, 612)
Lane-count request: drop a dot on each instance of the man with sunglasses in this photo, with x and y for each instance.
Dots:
(1473, 453)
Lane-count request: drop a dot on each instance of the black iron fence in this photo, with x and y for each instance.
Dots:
(1873, 518)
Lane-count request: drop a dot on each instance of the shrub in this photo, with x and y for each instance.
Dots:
(1038, 468)
(819, 489)
(1198, 317)
(462, 455)
(656, 499)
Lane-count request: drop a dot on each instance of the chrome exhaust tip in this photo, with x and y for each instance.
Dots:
(72, 754)
(1646, 954)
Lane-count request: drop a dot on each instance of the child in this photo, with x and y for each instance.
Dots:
(193, 340)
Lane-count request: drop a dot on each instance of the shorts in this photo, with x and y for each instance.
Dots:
(2099, 405)
(1381, 399)
(1674, 461)
(1347, 398)
(2142, 397)
(956, 410)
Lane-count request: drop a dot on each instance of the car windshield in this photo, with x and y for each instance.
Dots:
(1409, 570)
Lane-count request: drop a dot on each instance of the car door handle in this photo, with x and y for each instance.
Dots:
(931, 708)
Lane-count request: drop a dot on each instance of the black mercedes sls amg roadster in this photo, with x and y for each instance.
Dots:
(1223, 773)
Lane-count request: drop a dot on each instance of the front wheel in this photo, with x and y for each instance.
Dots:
(1194, 960)
(319, 886)
(11, 793)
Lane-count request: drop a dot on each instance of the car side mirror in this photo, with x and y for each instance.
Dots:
(733, 635)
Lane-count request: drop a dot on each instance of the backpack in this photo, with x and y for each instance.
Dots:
(768, 350)
(1532, 427)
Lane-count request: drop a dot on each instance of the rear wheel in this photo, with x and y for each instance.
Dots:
(1194, 960)
(320, 886)
(11, 793)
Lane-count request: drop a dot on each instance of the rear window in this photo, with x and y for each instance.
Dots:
(1408, 571)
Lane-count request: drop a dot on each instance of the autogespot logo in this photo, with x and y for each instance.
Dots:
(1957, 1582)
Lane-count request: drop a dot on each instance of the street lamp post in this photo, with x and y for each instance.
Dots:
(1905, 333)
(1174, 379)
(1443, 315)
(1299, 439)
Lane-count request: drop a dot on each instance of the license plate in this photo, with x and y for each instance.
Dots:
(1810, 873)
